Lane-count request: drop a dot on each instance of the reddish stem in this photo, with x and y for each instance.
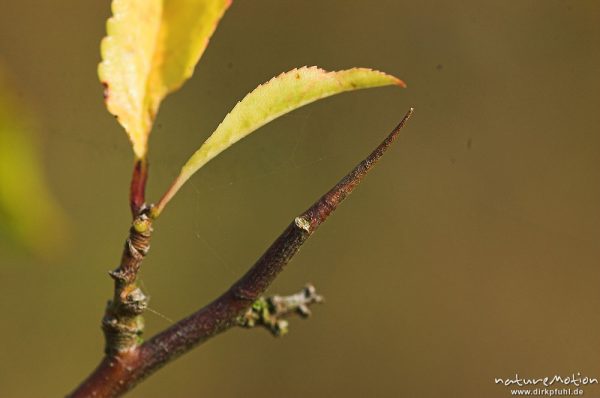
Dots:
(137, 189)
(117, 374)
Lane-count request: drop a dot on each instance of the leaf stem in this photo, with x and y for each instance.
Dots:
(137, 189)
(167, 196)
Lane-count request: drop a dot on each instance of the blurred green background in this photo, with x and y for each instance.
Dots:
(471, 252)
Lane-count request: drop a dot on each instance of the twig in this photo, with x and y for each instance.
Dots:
(120, 371)
(122, 323)
(271, 311)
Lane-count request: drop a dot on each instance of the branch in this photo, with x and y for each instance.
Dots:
(269, 312)
(120, 371)
(122, 323)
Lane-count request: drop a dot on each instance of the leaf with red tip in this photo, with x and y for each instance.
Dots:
(277, 97)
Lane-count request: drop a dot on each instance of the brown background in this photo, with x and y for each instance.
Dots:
(470, 253)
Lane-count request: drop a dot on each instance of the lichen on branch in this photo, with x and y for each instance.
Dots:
(270, 312)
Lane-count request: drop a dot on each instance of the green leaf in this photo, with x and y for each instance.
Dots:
(29, 215)
(277, 97)
(151, 49)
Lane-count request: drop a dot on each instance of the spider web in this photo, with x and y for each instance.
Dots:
(285, 152)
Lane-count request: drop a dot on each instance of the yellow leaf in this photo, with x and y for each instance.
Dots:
(268, 101)
(151, 49)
